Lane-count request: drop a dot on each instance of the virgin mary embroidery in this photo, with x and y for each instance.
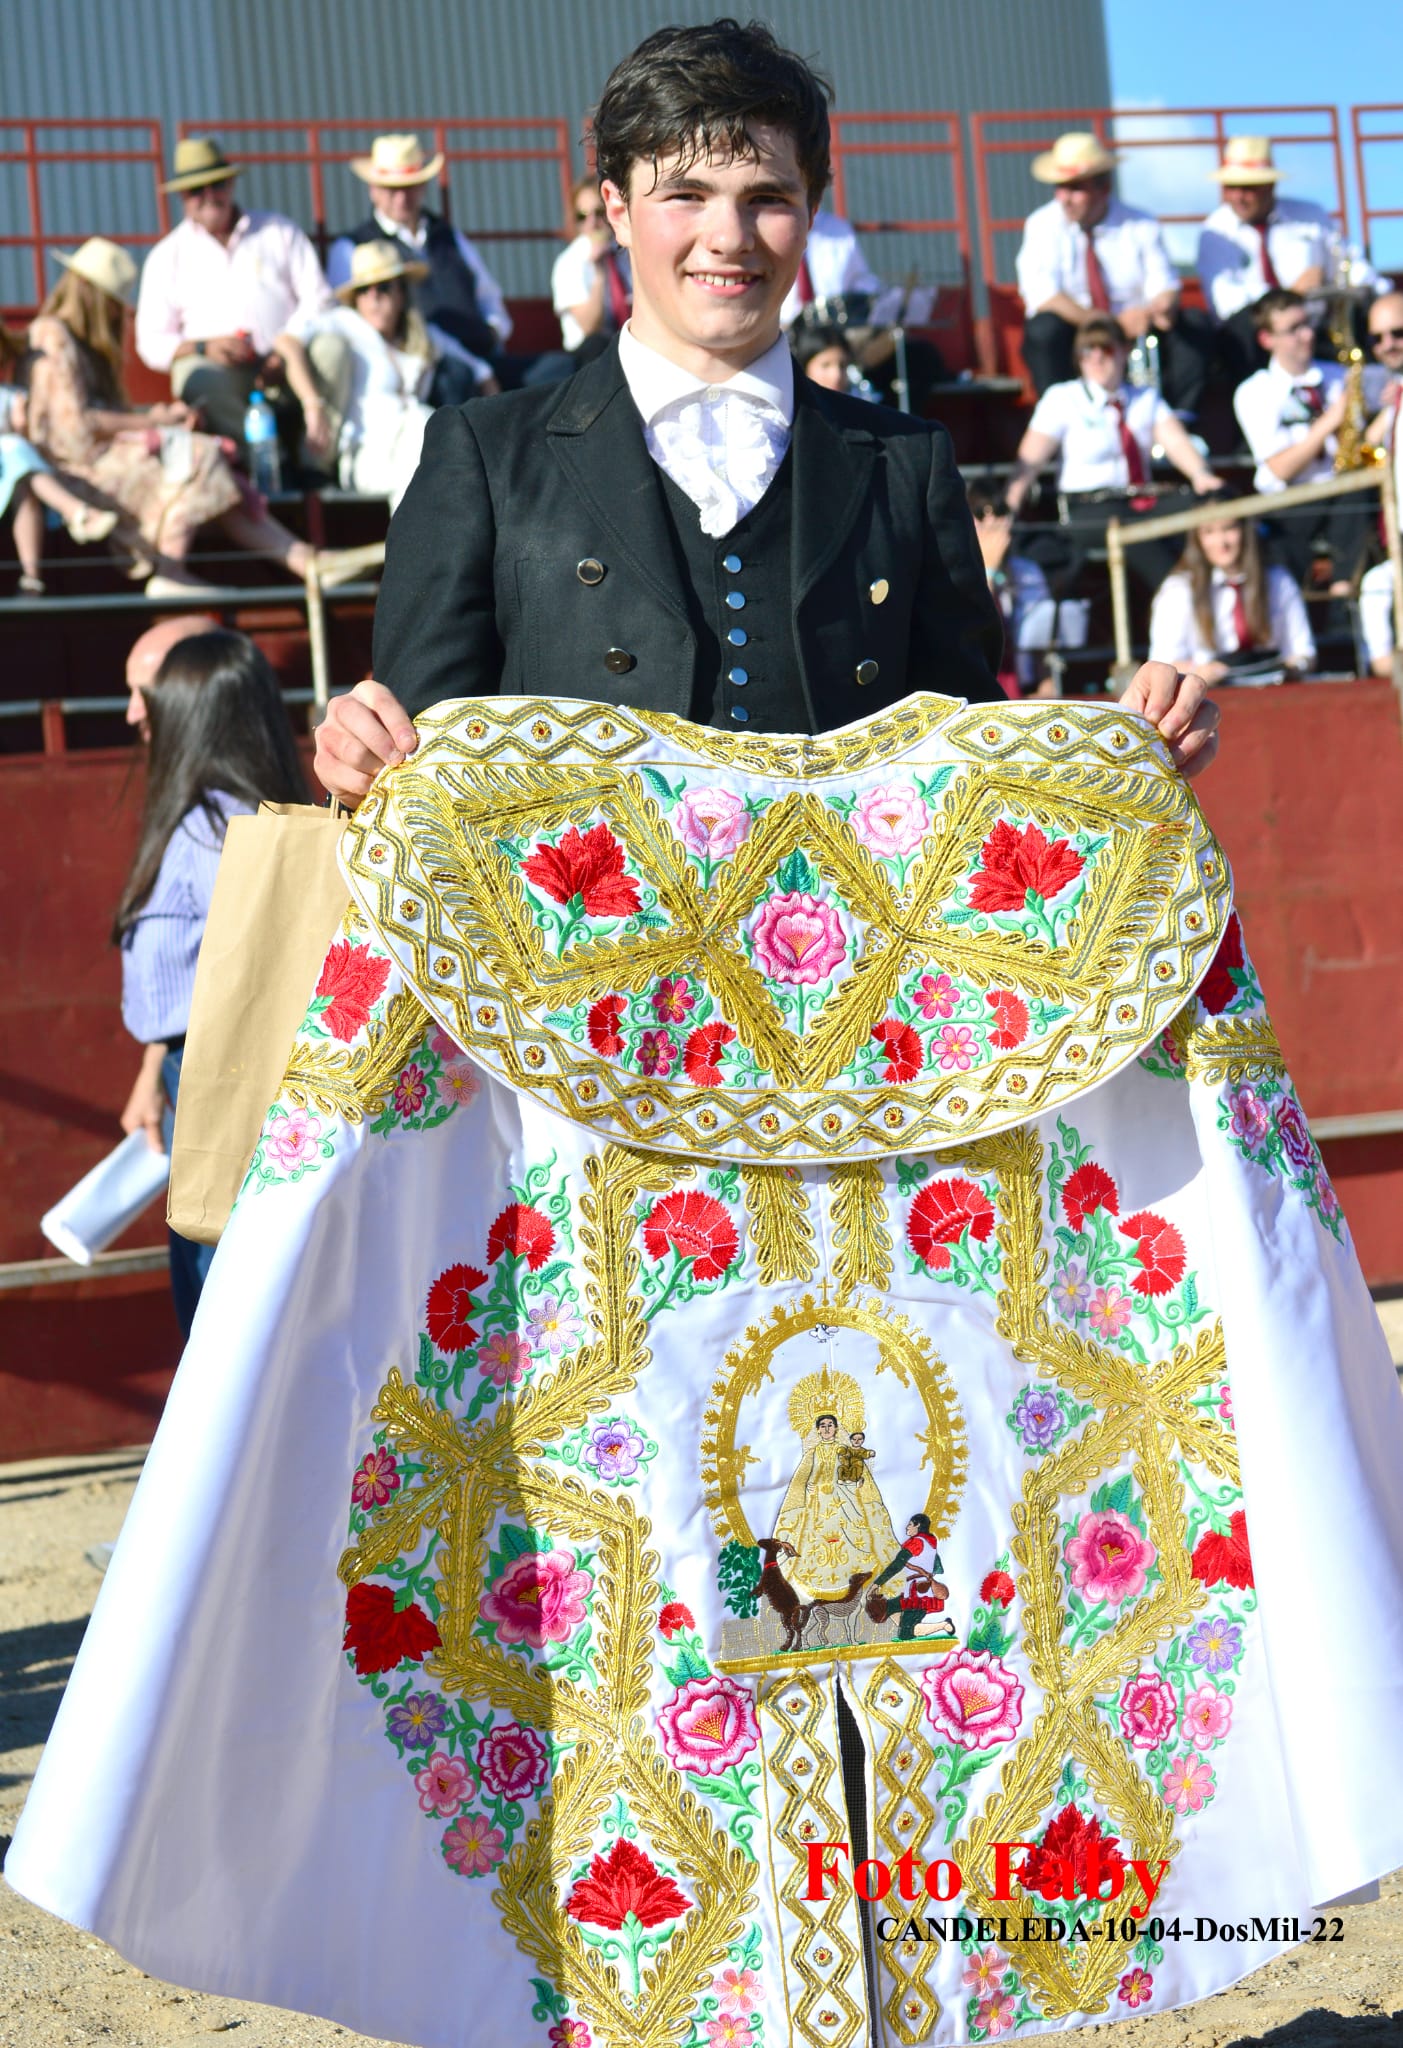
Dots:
(833, 1513)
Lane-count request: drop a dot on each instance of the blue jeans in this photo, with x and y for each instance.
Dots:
(189, 1261)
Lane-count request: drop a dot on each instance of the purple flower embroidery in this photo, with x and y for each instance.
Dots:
(417, 1720)
(613, 1450)
(553, 1323)
(1039, 1417)
(1325, 1195)
(1073, 1291)
(1215, 1645)
(1295, 1135)
(1248, 1118)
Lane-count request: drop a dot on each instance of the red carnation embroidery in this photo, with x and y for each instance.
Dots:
(589, 865)
(701, 1055)
(1217, 1557)
(623, 1882)
(602, 1026)
(352, 978)
(524, 1231)
(1160, 1250)
(674, 1616)
(697, 1227)
(1090, 1187)
(942, 1213)
(449, 1306)
(1010, 1026)
(1019, 864)
(1217, 988)
(997, 1586)
(1061, 1862)
(382, 1638)
(903, 1048)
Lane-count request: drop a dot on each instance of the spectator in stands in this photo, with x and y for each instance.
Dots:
(29, 485)
(1376, 610)
(458, 292)
(165, 480)
(217, 292)
(834, 267)
(1290, 414)
(148, 651)
(220, 745)
(1222, 604)
(1086, 252)
(823, 355)
(1256, 242)
(1105, 433)
(590, 281)
(391, 357)
(1016, 583)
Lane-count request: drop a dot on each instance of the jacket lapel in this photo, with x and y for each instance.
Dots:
(597, 438)
(832, 476)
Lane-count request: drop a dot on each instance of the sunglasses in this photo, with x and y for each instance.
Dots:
(1386, 334)
(380, 291)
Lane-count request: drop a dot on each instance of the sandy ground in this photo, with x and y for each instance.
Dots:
(62, 1989)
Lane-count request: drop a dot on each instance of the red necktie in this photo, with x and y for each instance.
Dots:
(619, 303)
(1239, 617)
(1129, 446)
(1311, 397)
(1273, 282)
(1095, 282)
(805, 283)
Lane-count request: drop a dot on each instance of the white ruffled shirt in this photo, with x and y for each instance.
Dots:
(720, 443)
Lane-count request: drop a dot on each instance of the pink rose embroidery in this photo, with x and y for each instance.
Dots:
(443, 1785)
(708, 1725)
(799, 939)
(1148, 1710)
(1207, 1716)
(973, 1698)
(540, 1598)
(293, 1140)
(512, 1761)
(892, 820)
(712, 821)
(1109, 1557)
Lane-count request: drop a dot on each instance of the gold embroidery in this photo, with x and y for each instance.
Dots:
(862, 1247)
(894, 1706)
(781, 1228)
(355, 1082)
(1234, 1049)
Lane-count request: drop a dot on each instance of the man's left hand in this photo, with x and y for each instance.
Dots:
(1177, 704)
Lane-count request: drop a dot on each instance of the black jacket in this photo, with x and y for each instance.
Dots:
(483, 588)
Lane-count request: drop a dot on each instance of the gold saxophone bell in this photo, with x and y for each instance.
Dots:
(1352, 451)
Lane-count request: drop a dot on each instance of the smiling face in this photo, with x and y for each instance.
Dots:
(714, 248)
(1251, 203)
(1386, 330)
(1221, 541)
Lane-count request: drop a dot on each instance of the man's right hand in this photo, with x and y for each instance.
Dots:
(229, 350)
(363, 732)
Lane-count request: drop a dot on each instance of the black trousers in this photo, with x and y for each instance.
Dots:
(1187, 352)
(1061, 551)
(1340, 528)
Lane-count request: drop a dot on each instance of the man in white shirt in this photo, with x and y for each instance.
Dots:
(1256, 242)
(1290, 414)
(834, 267)
(459, 293)
(1085, 252)
(1376, 595)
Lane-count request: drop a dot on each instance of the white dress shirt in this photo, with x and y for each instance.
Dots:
(491, 304)
(1300, 236)
(1174, 633)
(1129, 248)
(1376, 590)
(720, 443)
(194, 286)
(572, 281)
(1273, 416)
(837, 265)
(1078, 416)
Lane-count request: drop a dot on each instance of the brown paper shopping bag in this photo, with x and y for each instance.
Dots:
(278, 899)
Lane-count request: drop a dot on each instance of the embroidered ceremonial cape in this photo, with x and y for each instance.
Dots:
(681, 1125)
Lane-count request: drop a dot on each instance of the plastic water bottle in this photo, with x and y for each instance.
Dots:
(261, 435)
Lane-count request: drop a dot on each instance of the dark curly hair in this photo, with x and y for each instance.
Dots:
(695, 92)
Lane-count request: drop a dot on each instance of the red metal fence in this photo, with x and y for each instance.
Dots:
(34, 147)
(1369, 138)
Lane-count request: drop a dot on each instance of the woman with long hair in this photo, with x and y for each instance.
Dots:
(219, 744)
(164, 479)
(1222, 601)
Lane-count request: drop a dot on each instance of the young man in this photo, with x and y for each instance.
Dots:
(686, 527)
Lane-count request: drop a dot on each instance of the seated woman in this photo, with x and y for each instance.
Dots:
(164, 486)
(1105, 434)
(1222, 603)
(382, 401)
(29, 485)
(590, 284)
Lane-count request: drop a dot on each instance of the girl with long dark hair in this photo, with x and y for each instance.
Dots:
(1222, 600)
(220, 744)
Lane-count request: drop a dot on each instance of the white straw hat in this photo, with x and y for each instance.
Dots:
(377, 263)
(1072, 156)
(396, 160)
(1247, 161)
(105, 264)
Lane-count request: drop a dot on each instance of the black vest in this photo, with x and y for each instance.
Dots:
(747, 677)
(448, 295)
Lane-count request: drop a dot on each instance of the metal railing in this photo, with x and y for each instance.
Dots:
(1365, 138)
(38, 151)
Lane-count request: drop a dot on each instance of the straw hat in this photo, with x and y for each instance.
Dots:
(1072, 156)
(199, 160)
(1247, 161)
(377, 263)
(104, 264)
(396, 160)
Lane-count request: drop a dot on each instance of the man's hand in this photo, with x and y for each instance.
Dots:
(1177, 704)
(362, 733)
(229, 350)
(316, 424)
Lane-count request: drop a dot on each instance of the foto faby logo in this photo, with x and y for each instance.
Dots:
(1098, 1879)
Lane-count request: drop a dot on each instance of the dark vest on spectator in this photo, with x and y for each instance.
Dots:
(448, 295)
(758, 675)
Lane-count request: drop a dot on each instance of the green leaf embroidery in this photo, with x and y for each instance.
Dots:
(796, 874)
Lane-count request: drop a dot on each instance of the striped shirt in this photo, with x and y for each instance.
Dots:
(160, 948)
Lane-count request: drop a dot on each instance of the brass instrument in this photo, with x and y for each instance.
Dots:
(1352, 451)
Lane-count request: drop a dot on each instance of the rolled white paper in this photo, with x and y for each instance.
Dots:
(107, 1199)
